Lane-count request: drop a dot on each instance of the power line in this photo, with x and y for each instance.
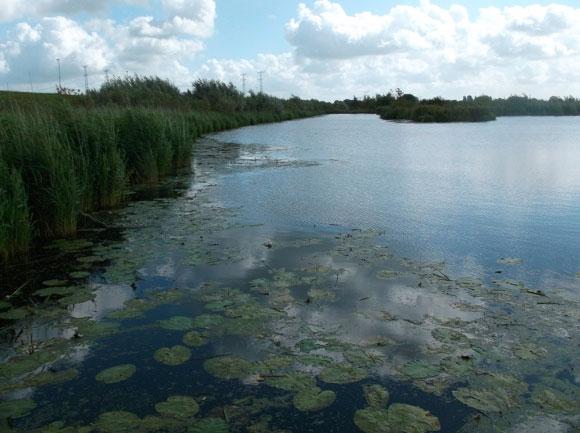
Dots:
(244, 75)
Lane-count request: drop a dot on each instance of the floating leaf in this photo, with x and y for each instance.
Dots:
(79, 275)
(313, 400)
(118, 422)
(173, 356)
(342, 374)
(194, 339)
(399, 418)
(208, 321)
(293, 381)
(177, 323)
(54, 283)
(420, 370)
(484, 400)
(209, 425)
(228, 367)
(178, 407)
(13, 409)
(14, 314)
(376, 396)
(386, 274)
(553, 400)
(116, 374)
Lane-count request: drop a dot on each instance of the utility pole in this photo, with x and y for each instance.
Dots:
(261, 80)
(244, 75)
(86, 80)
(59, 76)
(30, 80)
(106, 75)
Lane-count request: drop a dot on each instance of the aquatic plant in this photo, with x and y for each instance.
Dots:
(313, 399)
(12, 409)
(117, 374)
(178, 406)
(228, 367)
(397, 418)
(209, 425)
(172, 356)
(343, 374)
(177, 323)
(376, 396)
(194, 339)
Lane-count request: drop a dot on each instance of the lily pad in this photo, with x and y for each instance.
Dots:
(206, 321)
(313, 400)
(228, 367)
(55, 291)
(376, 396)
(342, 374)
(209, 425)
(118, 422)
(320, 295)
(178, 407)
(116, 374)
(13, 409)
(54, 283)
(194, 339)
(398, 418)
(555, 401)
(420, 370)
(177, 323)
(173, 356)
(293, 381)
(484, 400)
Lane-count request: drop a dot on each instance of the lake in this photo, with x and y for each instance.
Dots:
(334, 274)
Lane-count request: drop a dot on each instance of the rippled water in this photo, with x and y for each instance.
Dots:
(464, 193)
(299, 265)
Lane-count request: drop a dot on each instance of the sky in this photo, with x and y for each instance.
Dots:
(325, 49)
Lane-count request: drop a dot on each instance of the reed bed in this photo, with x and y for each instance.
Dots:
(62, 156)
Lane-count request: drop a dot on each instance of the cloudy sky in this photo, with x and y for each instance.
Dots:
(328, 49)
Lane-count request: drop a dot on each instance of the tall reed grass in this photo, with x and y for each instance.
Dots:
(62, 156)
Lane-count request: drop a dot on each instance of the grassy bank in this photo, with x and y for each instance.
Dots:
(62, 156)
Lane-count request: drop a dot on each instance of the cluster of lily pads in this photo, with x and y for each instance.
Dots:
(347, 312)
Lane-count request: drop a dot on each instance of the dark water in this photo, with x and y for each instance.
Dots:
(338, 252)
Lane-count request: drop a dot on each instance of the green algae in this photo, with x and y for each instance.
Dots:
(173, 356)
(177, 323)
(313, 399)
(13, 409)
(293, 381)
(178, 407)
(343, 374)
(228, 367)
(194, 339)
(376, 396)
(209, 425)
(117, 374)
(118, 422)
(398, 418)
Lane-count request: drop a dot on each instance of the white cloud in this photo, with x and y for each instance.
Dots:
(142, 45)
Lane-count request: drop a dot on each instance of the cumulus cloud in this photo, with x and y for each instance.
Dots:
(142, 45)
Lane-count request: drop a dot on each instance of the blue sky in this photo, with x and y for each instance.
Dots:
(324, 48)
